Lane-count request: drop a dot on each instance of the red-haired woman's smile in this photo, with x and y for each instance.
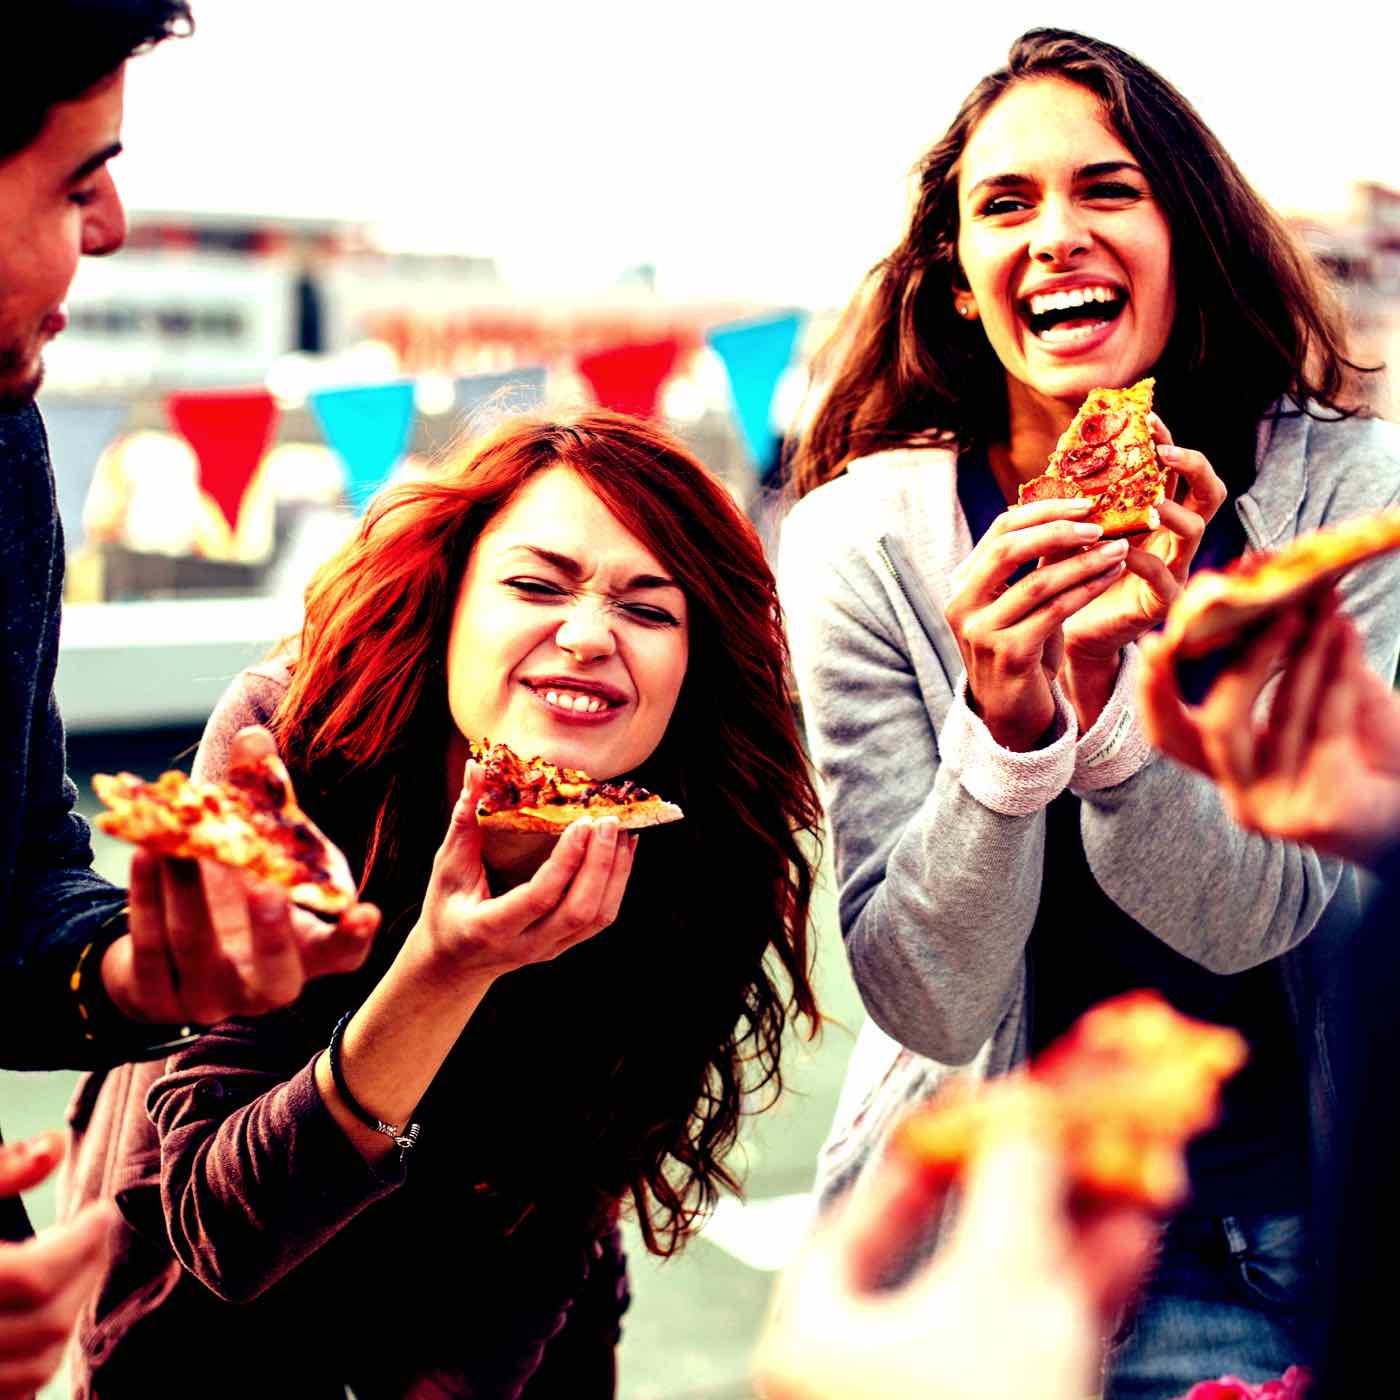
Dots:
(576, 701)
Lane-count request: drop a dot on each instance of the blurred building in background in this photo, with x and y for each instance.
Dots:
(1361, 248)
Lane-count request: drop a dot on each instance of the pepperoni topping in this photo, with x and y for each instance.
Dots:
(1048, 488)
(1097, 483)
(1102, 427)
(1081, 463)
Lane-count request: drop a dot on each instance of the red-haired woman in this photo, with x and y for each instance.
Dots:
(573, 1023)
(1007, 848)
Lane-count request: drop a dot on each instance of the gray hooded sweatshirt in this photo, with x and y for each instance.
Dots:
(939, 833)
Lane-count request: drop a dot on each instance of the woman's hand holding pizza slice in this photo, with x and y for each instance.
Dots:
(1010, 633)
(465, 939)
(1156, 568)
(573, 894)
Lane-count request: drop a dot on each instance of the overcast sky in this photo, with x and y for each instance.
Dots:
(746, 147)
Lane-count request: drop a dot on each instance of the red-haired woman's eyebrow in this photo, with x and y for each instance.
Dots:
(571, 568)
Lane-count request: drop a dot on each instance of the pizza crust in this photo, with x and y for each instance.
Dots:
(633, 817)
(1218, 606)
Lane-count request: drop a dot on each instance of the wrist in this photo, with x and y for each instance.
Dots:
(112, 1018)
(1019, 732)
(1088, 681)
(433, 965)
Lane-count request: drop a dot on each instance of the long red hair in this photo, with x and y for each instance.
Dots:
(694, 1014)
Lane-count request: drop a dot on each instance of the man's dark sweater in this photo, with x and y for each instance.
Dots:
(51, 903)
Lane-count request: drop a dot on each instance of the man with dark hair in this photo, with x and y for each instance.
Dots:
(89, 977)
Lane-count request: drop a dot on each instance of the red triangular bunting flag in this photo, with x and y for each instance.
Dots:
(628, 378)
(230, 431)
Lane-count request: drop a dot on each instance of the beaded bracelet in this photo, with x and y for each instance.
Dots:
(101, 1022)
(403, 1137)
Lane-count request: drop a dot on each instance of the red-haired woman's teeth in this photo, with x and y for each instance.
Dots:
(573, 702)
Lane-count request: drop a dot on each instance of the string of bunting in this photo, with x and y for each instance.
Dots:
(370, 427)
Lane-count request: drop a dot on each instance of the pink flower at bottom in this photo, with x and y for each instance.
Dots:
(1292, 1385)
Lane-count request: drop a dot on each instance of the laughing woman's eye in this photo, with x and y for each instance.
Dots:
(1003, 204)
(1113, 189)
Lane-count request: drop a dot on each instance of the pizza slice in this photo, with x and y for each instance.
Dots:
(1107, 454)
(250, 821)
(1121, 1094)
(533, 795)
(1218, 607)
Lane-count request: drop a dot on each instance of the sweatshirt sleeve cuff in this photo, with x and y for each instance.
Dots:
(1114, 747)
(1014, 784)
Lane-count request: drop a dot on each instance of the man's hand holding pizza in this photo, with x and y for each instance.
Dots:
(1323, 767)
(1156, 567)
(44, 1281)
(207, 941)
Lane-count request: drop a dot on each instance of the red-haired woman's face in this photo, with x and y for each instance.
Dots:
(569, 639)
(1066, 253)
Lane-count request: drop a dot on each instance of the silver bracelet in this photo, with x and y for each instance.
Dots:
(402, 1137)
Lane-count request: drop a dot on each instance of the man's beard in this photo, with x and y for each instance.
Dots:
(16, 388)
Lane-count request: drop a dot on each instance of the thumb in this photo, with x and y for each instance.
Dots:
(1015, 1221)
(461, 846)
(251, 743)
(26, 1164)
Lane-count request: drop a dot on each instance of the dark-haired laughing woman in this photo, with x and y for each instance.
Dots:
(1008, 850)
(573, 1024)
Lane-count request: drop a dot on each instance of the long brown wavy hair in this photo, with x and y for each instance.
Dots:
(1254, 319)
(623, 1067)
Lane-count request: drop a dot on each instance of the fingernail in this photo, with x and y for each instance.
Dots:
(1110, 548)
(1165, 449)
(1088, 532)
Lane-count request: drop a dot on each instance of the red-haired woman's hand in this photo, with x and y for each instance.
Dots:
(1010, 635)
(573, 895)
(1157, 567)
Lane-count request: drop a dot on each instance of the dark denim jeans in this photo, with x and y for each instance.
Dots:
(1226, 1298)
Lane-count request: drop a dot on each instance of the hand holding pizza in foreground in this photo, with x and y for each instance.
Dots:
(1323, 768)
(216, 927)
(1017, 1303)
(1118, 1097)
(46, 1280)
(1064, 1172)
